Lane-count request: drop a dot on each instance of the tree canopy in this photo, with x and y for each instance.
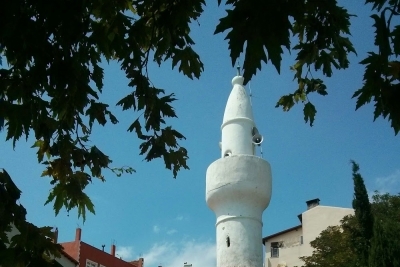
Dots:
(51, 77)
(385, 242)
(331, 248)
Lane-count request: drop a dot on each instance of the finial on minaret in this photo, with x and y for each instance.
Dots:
(238, 69)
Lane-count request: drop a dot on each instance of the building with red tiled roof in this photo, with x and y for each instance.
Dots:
(89, 256)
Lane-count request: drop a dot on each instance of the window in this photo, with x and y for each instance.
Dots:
(90, 263)
(274, 252)
(301, 240)
(274, 249)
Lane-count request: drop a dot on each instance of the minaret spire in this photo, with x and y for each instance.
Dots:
(238, 185)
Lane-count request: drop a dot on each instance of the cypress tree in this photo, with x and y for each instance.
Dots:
(363, 214)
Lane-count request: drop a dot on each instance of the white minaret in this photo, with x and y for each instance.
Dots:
(238, 185)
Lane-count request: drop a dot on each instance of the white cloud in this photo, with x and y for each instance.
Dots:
(171, 232)
(173, 254)
(181, 218)
(156, 229)
(126, 253)
(388, 184)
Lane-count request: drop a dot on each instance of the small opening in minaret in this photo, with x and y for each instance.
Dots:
(228, 153)
(228, 242)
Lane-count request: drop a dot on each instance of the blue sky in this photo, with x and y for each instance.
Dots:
(166, 220)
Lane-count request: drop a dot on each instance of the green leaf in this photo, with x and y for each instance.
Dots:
(286, 102)
(382, 34)
(121, 170)
(127, 102)
(86, 204)
(97, 111)
(244, 22)
(395, 34)
(190, 63)
(309, 113)
(97, 77)
(135, 126)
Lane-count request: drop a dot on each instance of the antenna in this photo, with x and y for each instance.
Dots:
(250, 94)
(238, 69)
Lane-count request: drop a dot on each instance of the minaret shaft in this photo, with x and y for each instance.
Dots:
(238, 186)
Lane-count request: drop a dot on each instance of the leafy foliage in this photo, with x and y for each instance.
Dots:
(244, 20)
(52, 86)
(22, 243)
(321, 30)
(382, 69)
(54, 50)
(331, 249)
(51, 89)
(384, 248)
(264, 27)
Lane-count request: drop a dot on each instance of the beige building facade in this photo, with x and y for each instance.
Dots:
(284, 248)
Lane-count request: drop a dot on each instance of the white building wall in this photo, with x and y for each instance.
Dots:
(65, 262)
(290, 247)
(317, 219)
(314, 221)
